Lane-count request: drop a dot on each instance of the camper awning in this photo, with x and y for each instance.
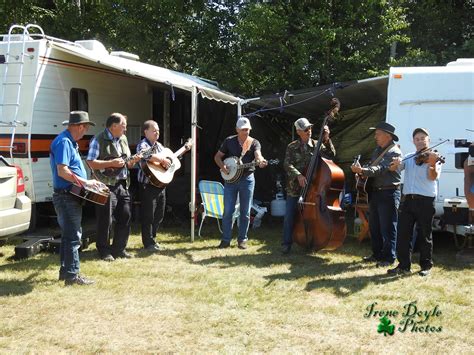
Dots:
(154, 73)
(314, 102)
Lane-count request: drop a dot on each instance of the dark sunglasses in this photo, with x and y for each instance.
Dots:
(308, 129)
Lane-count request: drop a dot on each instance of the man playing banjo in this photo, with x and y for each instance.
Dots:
(245, 149)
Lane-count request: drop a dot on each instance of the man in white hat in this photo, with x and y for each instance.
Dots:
(246, 149)
(297, 157)
(68, 169)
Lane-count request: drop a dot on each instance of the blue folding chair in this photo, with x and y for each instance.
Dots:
(212, 195)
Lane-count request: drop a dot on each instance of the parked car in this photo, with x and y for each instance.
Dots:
(15, 206)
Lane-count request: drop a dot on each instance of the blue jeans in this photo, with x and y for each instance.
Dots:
(289, 220)
(69, 211)
(244, 189)
(383, 218)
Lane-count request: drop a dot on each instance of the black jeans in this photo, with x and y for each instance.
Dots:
(118, 209)
(152, 211)
(420, 210)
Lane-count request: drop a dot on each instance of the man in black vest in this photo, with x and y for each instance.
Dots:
(109, 155)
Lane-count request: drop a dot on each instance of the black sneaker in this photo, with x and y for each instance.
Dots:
(285, 250)
(223, 245)
(78, 280)
(242, 244)
(108, 258)
(424, 272)
(384, 263)
(123, 255)
(154, 248)
(369, 259)
(398, 271)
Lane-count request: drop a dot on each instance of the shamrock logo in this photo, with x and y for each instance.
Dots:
(385, 326)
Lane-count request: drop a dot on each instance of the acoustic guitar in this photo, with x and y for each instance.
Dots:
(160, 176)
(362, 186)
(99, 196)
(236, 168)
(113, 172)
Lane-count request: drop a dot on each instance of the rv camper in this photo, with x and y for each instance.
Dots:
(44, 78)
(440, 99)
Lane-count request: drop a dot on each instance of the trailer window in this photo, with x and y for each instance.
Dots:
(79, 100)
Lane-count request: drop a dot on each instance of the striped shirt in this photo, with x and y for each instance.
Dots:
(143, 145)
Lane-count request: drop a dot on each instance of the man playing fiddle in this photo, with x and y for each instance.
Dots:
(420, 188)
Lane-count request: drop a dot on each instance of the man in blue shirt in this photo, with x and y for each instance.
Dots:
(420, 189)
(67, 168)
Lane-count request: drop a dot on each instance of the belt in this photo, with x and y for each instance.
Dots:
(418, 197)
(392, 187)
(61, 191)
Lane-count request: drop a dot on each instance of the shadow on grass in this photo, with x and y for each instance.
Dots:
(18, 287)
(35, 268)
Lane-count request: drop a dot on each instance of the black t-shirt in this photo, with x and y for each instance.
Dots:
(231, 148)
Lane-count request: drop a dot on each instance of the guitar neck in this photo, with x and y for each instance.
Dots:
(180, 151)
(248, 165)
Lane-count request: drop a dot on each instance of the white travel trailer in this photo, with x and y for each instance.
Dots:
(440, 99)
(43, 78)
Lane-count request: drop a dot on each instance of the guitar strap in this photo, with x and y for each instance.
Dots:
(375, 162)
(246, 146)
(379, 158)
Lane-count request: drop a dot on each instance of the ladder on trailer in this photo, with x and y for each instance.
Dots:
(9, 108)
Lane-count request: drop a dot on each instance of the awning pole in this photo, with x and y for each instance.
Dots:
(192, 204)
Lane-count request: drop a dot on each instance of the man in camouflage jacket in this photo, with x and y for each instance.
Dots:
(297, 158)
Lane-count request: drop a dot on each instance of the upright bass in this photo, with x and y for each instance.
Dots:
(319, 222)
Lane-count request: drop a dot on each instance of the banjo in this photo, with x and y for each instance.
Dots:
(236, 168)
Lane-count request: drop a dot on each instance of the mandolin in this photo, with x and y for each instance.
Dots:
(112, 172)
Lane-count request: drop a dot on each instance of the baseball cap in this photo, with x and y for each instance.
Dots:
(242, 123)
(302, 124)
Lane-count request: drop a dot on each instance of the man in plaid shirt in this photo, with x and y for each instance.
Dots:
(153, 198)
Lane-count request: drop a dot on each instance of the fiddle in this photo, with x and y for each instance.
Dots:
(423, 157)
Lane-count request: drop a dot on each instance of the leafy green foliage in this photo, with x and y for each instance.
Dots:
(254, 47)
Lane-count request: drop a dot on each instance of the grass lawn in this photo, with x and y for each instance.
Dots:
(195, 298)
